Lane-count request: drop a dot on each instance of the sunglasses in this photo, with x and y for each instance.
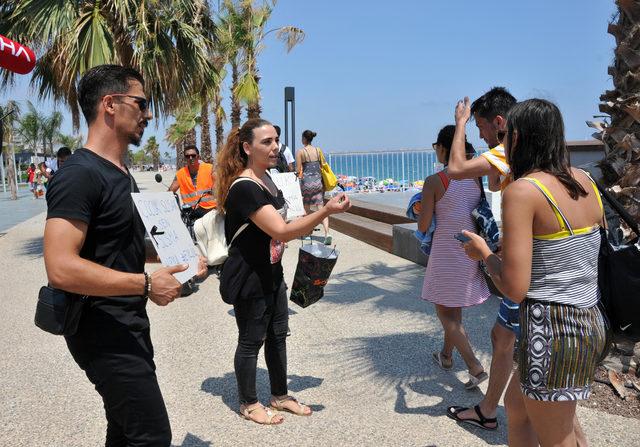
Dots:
(500, 135)
(434, 146)
(143, 103)
(191, 156)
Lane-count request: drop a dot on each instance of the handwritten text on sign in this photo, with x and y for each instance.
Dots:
(289, 184)
(161, 217)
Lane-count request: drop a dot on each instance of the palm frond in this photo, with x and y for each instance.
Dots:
(291, 36)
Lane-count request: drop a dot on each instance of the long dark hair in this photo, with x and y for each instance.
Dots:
(445, 139)
(540, 143)
(232, 159)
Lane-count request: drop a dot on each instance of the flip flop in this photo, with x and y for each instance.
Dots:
(474, 381)
(246, 414)
(277, 404)
(437, 357)
(481, 422)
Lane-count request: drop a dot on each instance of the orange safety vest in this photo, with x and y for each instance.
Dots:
(190, 193)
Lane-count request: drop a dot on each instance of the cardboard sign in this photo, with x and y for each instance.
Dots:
(170, 237)
(289, 184)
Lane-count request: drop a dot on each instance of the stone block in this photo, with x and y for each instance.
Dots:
(406, 245)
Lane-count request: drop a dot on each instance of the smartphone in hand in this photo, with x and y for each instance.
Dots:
(462, 238)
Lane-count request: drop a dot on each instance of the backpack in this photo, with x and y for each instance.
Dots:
(210, 237)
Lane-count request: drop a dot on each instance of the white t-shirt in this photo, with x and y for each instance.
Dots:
(288, 155)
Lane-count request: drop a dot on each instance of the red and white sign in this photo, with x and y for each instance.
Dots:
(16, 57)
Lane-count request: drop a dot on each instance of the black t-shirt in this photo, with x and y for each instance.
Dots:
(256, 247)
(93, 190)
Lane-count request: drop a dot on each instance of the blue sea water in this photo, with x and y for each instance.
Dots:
(401, 166)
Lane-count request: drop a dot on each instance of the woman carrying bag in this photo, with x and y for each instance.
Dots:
(260, 302)
(309, 164)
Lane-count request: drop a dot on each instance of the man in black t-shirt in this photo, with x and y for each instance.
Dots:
(94, 245)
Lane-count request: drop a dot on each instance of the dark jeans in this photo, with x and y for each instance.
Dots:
(125, 378)
(262, 320)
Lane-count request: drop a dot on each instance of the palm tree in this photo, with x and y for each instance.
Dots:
(50, 129)
(10, 113)
(621, 166)
(73, 142)
(254, 20)
(182, 132)
(157, 37)
(152, 149)
(30, 127)
(230, 37)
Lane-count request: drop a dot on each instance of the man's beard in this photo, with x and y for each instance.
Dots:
(135, 139)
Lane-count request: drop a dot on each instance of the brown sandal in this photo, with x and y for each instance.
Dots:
(276, 404)
(246, 414)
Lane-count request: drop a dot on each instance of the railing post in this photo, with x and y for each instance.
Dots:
(404, 176)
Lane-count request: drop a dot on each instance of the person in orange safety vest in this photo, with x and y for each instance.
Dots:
(195, 182)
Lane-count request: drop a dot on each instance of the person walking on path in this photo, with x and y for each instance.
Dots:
(32, 180)
(489, 112)
(255, 207)
(549, 264)
(94, 246)
(452, 281)
(308, 163)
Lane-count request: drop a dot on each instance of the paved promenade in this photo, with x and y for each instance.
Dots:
(12, 212)
(361, 357)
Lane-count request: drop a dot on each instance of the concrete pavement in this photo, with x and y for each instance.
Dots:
(360, 357)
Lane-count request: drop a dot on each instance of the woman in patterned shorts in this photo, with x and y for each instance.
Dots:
(551, 216)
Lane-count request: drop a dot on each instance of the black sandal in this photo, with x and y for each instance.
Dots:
(481, 422)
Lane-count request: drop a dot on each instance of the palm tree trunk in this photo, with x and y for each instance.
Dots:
(190, 137)
(205, 131)
(11, 172)
(179, 155)
(254, 110)
(621, 166)
(217, 104)
(236, 107)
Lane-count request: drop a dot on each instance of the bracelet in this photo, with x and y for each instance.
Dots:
(147, 285)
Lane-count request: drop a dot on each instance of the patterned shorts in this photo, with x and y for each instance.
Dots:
(559, 348)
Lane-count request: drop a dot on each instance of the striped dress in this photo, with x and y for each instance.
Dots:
(452, 279)
(563, 332)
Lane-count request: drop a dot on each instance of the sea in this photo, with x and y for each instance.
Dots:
(400, 167)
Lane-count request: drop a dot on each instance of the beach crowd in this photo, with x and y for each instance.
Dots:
(544, 264)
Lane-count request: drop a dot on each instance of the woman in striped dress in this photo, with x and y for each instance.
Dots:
(551, 240)
(452, 281)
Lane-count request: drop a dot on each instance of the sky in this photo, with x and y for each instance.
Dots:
(374, 75)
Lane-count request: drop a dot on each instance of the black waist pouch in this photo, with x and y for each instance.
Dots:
(58, 312)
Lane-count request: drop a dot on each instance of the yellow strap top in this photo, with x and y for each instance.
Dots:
(565, 227)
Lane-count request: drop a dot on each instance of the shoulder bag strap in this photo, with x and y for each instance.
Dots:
(444, 179)
(483, 195)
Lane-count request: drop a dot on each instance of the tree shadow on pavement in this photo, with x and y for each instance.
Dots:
(402, 362)
(226, 388)
(33, 247)
(193, 441)
(375, 280)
